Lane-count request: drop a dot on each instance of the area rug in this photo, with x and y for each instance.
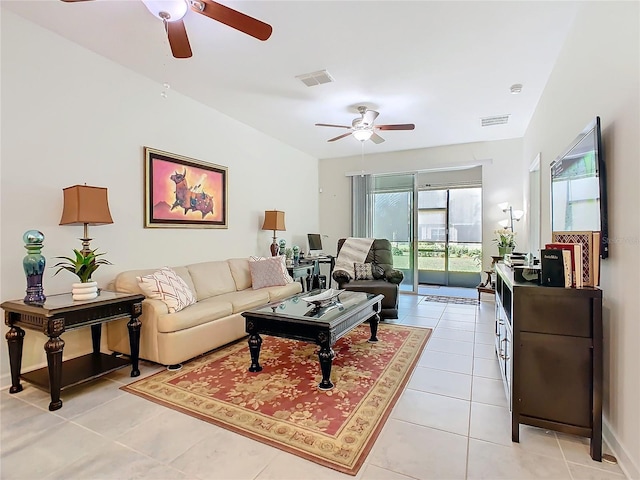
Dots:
(443, 299)
(282, 406)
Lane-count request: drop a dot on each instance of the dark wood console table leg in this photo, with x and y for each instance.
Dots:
(326, 356)
(255, 342)
(15, 340)
(373, 325)
(54, 347)
(134, 339)
(96, 335)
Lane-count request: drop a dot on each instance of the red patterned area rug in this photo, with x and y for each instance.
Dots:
(282, 406)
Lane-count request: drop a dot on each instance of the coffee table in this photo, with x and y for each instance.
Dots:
(296, 319)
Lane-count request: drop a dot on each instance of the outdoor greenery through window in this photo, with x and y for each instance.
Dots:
(433, 220)
(465, 232)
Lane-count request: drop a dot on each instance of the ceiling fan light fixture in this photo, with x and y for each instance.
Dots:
(363, 134)
(169, 10)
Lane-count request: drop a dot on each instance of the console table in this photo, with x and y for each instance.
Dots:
(549, 347)
(58, 314)
(489, 286)
(305, 271)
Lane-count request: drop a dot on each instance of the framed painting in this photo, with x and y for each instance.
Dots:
(182, 192)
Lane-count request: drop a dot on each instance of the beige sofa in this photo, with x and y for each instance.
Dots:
(223, 291)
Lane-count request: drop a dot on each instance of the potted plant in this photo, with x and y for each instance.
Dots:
(83, 265)
(505, 241)
(288, 253)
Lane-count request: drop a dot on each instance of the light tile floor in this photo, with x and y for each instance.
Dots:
(452, 422)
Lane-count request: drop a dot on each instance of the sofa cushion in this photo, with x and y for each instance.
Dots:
(240, 272)
(284, 291)
(211, 279)
(267, 272)
(203, 311)
(246, 299)
(167, 286)
(127, 282)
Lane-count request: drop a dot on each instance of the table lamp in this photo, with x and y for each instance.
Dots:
(85, 205)
(274, 220)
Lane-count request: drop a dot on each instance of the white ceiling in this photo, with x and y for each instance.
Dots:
(440, 65)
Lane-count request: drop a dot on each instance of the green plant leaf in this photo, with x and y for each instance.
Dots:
(83, 265)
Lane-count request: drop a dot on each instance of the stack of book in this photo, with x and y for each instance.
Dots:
(571, 260)
(513, 259)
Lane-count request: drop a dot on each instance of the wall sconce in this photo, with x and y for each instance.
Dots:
(513, 215)
(274, 220)
(85, 205)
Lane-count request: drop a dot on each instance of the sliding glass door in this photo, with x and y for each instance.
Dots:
(449, 236)
(435, 231)
(392, 202)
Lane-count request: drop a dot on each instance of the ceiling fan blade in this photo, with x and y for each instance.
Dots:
(339, 137)
(234, 19)
(369, 117)
(330, 125)
(402, 126)
(375, 138)
(178, 39)
(72, 1)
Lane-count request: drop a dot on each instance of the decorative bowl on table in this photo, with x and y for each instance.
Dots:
(325, 298)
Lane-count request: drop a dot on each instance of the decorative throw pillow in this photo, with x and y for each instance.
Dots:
(166, 285)
(267, 273)
(285, 272)
(363, 271)
(377, 270)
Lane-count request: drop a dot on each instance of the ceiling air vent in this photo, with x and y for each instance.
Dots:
(315, 78)
(497, 120)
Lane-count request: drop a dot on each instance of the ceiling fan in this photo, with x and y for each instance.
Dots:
(171, 13)
(363, 128)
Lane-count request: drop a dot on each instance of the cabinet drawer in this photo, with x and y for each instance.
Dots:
(554, 314)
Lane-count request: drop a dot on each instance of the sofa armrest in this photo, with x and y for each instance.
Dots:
(393, 276)
(341, 276)
(154, 307)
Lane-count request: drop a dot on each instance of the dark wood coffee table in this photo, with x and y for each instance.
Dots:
(296, 319)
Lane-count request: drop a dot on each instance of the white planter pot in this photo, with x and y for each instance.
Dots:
(84, 291)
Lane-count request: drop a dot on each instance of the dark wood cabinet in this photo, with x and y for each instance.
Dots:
(549, 347)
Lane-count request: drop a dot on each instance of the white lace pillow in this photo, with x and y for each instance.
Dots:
(283, 265)
(267, 272)
(166, 285)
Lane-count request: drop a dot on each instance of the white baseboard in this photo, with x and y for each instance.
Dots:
(626, 463)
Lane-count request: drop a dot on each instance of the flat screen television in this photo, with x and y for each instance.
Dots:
(315, 242)
(579, 187)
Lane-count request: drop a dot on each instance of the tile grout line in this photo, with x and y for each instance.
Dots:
(466, 467)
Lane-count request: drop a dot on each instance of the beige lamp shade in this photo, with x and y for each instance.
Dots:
(85, 205)
(273, 220)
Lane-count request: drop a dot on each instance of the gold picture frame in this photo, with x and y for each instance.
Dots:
(182, 192)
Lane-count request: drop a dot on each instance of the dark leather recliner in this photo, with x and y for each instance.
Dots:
(387, 284)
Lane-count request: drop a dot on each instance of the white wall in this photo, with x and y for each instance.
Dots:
(501, 181)
(597, 73)
(70, 117)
